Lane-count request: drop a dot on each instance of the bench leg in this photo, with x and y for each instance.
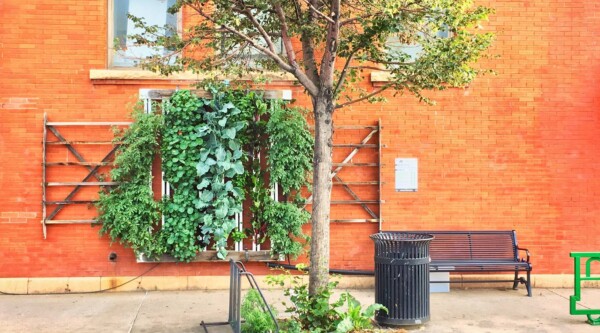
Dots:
(516, 283)
(528, 284)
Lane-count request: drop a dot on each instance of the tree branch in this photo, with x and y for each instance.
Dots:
(319, 13)
(286, 67)
(331, 45)
(246, 11)
(343, 74)
(371, 67)
(374, 93)
(287, 43)
(308, 48)
(291, 55)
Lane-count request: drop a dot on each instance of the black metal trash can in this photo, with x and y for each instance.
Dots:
(402, 277)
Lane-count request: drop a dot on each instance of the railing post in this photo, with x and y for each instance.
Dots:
(578, 278)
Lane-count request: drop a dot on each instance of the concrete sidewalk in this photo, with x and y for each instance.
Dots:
(476, 310)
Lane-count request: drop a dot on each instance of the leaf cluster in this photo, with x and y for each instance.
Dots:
(256, 319)
(291, 149)
(128, 212)
(318, 313)
(180, 145)
(220, 162)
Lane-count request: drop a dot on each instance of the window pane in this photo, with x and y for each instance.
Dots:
(154, 12)
(412, 52)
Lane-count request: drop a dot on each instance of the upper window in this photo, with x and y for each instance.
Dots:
(123, 51)
(242, 53)
(410, 52)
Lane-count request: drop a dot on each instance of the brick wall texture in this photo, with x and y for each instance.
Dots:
(516, 150)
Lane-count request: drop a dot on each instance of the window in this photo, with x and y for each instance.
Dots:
(410, 52)
(242, 53)
(122, 51)
(250, 57)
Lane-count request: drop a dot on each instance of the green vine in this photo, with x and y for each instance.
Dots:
(212, 153)
(284, 227)
(291, 149)
(180, 145)
(128, 212)
(220, 162)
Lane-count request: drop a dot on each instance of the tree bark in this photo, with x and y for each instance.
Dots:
(319, 247)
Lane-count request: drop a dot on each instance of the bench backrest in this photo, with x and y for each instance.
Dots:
(472, 245)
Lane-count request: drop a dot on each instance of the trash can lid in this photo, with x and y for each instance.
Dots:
(401, 236)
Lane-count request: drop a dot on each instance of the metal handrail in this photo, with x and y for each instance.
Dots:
(592, 256)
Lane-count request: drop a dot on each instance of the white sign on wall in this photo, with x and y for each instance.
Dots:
(407, 174)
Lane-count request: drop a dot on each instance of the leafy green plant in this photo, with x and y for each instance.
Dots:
(256, 320)
(317, 313)
(220, 162)
(354, 317)
(291, 148)
(180, 146)
(211, 157)
(128, 212)
(283, 134)
(285, 221)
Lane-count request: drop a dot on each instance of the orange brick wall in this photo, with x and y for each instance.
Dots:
(516, 150)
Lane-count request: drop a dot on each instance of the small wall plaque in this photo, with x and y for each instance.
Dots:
(407, 174)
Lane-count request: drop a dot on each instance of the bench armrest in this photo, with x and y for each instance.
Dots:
(526, 252)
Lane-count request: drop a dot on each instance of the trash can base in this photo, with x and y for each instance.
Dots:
(391, 322)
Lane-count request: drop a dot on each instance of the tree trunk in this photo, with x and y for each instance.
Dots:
(321, 207)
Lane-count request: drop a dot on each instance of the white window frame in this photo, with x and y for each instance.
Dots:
(111, 35)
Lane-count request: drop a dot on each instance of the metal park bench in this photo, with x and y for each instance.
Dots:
(479, 252)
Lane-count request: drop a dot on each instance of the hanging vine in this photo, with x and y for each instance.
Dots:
(289, 165)
(128, 213)
(290, 150)
(211, 151)
(220, 163)
(180, 144)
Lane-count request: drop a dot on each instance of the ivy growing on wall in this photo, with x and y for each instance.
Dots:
(180, 144)
(211, 151)
(129, 212)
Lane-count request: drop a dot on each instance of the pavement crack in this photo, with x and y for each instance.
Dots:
(567, 298)
(137, 313)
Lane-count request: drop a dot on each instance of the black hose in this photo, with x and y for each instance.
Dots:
(331, 271)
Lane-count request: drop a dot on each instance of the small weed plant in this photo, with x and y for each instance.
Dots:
(256, 320)
(318, 313)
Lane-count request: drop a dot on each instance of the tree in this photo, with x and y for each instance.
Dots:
(327, 44)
